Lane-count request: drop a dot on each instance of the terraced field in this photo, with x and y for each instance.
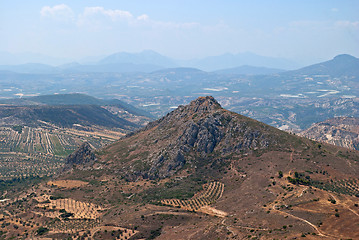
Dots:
(212, 192)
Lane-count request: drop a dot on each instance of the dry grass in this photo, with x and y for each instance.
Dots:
(67, 183)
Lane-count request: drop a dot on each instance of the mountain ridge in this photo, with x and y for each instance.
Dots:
(148, 61)
(74, 99)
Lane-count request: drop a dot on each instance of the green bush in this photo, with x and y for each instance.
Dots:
(41, 231)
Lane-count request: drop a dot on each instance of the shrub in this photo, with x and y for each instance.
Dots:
(42, 231)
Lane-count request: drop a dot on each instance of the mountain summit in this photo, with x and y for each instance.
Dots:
(340, 65)
(197, 134)
(204, 104)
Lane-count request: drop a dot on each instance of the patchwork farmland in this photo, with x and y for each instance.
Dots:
(27, 151)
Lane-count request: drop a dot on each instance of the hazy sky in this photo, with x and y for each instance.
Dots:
(295, 29)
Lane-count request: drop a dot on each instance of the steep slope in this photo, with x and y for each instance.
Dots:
(341, 131)
(202, 172)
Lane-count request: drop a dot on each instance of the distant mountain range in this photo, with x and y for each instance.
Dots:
(147, 61)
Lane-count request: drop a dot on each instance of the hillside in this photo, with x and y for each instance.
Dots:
(200, 172)
(62, 116)
(75, 99)
(341, 131)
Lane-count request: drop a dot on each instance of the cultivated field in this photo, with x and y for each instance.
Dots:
(211, 193)
(77, 209)
(41, 151)
(14, 165)
(55, 141)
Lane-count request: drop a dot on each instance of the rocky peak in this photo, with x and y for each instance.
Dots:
(204, 104)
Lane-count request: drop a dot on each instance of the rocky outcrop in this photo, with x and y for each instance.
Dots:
(341, 131)
(82, 157)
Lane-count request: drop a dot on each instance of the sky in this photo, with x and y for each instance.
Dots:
(302, 30)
